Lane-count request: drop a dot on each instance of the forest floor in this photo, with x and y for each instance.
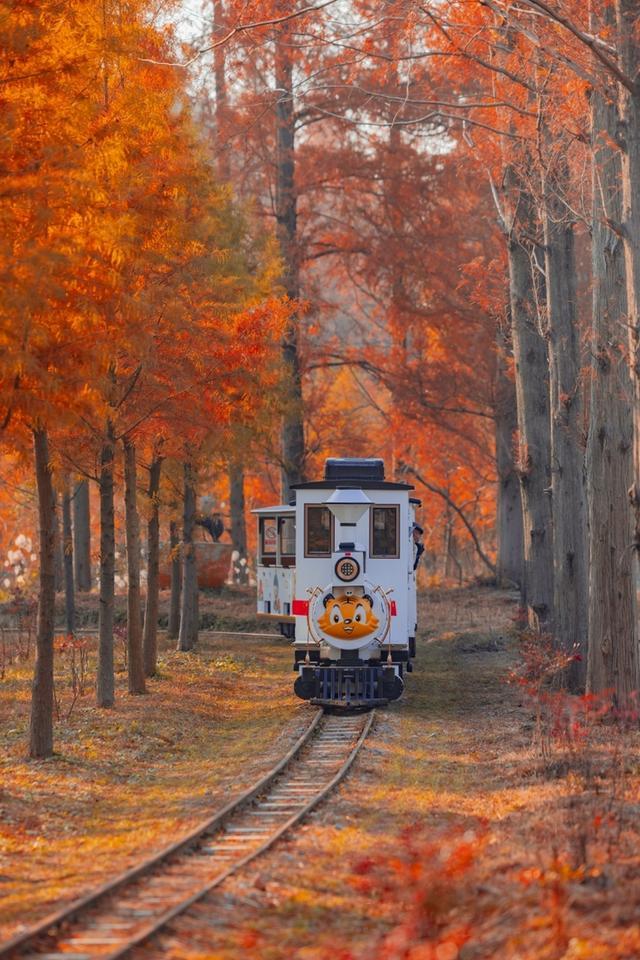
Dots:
(479, 821)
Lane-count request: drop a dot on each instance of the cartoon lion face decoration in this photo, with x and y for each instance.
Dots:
(348, 618)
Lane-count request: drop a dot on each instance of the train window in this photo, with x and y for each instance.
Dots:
(287, 536)
(268, 539)
(317, 531)
(384, 532)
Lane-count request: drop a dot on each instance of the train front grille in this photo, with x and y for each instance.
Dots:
(352, 686)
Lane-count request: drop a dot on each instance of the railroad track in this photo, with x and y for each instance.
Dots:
(125, 912)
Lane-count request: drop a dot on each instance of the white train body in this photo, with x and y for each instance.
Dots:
(336, 570)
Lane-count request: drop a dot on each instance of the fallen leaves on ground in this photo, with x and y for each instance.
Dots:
(129, 780)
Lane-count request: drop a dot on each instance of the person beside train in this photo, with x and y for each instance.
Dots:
(418, 545)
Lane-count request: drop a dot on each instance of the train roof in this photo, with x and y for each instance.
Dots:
(350, 485)
(366, 473)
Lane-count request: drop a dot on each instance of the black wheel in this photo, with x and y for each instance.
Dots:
(392, 686)
(304, 688)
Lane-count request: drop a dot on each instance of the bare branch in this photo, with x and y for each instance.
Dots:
(595, 44)
(241, 28)
(405, 468)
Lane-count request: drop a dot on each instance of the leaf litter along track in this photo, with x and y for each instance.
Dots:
(131, 908)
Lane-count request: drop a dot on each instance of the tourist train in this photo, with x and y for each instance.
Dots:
(336, 571)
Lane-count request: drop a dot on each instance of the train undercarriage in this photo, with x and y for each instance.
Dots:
(349, 684)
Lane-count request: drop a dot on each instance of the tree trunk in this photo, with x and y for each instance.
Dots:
(532, 393)
(628, 136)
(59, 555)
(509, 505)
(220, 84)
(195, 605)
(188, 634)
(106, 681)
(567, 428)
(135, 664)
(176, 582)
(238, 522)
(82, 537)
(41, 725)
(150, 638)
(293, 452)
(453, 569)
(446, 544)
(67, 540)
(613, 645)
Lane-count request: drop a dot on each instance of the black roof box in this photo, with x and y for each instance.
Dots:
(353, 470)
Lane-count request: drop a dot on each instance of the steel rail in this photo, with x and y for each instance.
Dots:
(201, 830)
(34, 936)
(170, 915)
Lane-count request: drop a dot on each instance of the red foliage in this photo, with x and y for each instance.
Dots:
(421, 880)
(568, 718)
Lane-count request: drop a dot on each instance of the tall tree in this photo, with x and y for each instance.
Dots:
(238, 521)
(67, 541)
(135, 662)
(188, 635)
(286, 210)
(509, 530)
(627, 14)
(41, 725)
(105, 683)
(173, 627)
(82, 536)
(570, 548)
(150, 637)
(532, 390)
(613, 643)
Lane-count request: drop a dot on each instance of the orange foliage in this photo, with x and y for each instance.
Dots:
(134, 291)
(397, 339)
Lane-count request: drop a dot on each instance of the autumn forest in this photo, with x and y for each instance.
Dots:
(240, 237)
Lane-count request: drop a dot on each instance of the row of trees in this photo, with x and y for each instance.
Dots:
(140, 312)
(448, 304)
(466, 327)
(564, 93)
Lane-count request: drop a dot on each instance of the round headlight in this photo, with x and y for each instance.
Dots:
(347, 569)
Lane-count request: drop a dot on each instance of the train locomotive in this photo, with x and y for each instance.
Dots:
(336, 571)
